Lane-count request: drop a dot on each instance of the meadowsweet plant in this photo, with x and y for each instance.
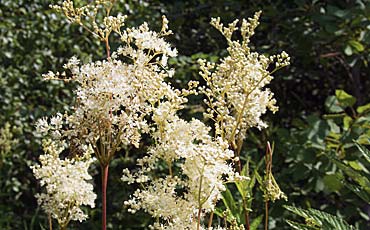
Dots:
(114, 97)
(126, 95)
(237, 97)
(235, 90)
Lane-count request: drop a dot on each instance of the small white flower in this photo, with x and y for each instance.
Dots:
(65, 183)
(42, 126)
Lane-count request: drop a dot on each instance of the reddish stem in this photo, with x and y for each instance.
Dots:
(50, 222)
(268, 159)
(105, 170)
(210, 220)
(246, 215)
(199, 212)
(107, 47)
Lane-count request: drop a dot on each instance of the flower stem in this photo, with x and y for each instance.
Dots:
(266, 215)
(107, 47)
(170, 168)
(199, 212)
(268, 159)
(246, 215)
(105, 169)
(210, 220)
(50, 222)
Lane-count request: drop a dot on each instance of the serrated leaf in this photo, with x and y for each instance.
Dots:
(323, 220)
(329, 221)
(298, 211)
(344, 99)
(299, 226)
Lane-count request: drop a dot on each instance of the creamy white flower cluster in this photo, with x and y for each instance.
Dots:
(114, 97)
(237, 99)
(201, 166)
(235, 91)
(65, 182)
(119, 99)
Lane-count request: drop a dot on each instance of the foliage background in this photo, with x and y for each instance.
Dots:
(328, 42)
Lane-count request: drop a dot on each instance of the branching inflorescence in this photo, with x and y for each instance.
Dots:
(126, 95)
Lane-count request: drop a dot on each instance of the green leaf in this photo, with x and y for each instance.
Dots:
(356, 165)
(357, 45)
(298, 211)
(259, 178)
(334, 128)
(363, 139)
(365, 152)
(332, 105)
(332, 183)
(243, 186)
(347, 122)
(229, 202)
(329, 221)
(256, 222)
(363, 194)
(333, 10)
(344, 99)
(299, 226)
(341, 13)
(219, 212)
(364, 108)
(357, 176)
(316, 219)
